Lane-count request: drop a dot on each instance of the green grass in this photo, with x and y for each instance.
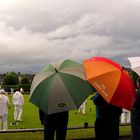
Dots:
(30, 115)
(31, 120)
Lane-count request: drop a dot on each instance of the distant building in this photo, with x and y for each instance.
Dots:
(1, 78)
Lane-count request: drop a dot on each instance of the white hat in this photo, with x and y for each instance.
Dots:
(2, 91)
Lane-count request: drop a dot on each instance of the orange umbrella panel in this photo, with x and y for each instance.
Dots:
(111, 81)
(101, 76)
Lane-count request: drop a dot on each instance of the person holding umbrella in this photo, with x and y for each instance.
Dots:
(135, 114)
(56, 122)
(107, 119)
(56, 89)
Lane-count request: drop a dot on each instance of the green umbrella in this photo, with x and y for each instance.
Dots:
(60, 87)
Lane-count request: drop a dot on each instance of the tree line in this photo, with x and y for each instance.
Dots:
(12, 80)
(16, 81)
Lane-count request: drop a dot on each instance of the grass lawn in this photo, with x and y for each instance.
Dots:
(31, 120)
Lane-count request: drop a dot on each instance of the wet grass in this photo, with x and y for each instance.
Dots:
(31, 120)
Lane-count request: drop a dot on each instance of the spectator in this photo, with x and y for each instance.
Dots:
(135, 114)
(107, 119)
(18, 102)
(21, 90)
(125, 116)
(12, 91)
(54, 122)
(4, 103)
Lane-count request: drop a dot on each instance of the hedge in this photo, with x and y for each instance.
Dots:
(26, 87)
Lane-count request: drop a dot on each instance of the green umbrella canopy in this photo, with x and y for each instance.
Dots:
(60, 87)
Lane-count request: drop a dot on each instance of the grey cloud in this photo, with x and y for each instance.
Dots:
(35, 33)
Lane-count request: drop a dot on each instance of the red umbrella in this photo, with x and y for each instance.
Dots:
(111, 81)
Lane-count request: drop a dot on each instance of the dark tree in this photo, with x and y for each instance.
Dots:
(11, 79)
(25, 80)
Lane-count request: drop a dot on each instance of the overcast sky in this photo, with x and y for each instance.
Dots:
(34, 33)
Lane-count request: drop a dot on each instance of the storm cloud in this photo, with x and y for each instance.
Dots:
(35, 33)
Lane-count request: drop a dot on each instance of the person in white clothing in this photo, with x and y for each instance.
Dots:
(21, 90)
(125, 116)
(4, 103)
(18, 102)
(82, 108)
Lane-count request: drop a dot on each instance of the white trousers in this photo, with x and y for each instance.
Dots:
(3, 122)
(17, 112)
(125, 117)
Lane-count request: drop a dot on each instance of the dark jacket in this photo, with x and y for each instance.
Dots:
(135, 111)
(105, 111)
(56, 119)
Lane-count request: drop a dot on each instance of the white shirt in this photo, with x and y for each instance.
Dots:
(125, 111)
(18, 98)
(4, 102)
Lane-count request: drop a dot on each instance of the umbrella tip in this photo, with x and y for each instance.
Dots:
(56, 70)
